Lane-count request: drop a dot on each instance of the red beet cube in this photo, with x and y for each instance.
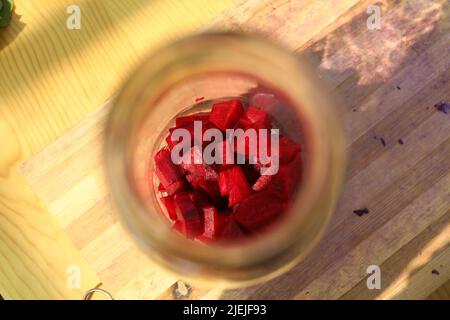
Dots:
(233, 183)
(258, 118)
(167, 172)
(172, 142)
(210, 188)
(189, 119)
(264, 101)
(262, 182)
(224, 152)
(199, 199)
(201, 238)
(191, 165)
(243, 123)
(288, 149)
(238, 187)
(287, 178)
(223, 183)
(178, 226)
(175, 187)
(253, 150)
(212, 222)
(161, 188)
(187, 123)
(250, 172)
(258, 210)
(170, 206)
(225, 115)
(231, 230)
(188, 214)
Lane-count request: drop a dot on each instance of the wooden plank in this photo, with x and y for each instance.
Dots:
(345, 273)
(54, 76)
(409, 272)
(397, 182)
(442, 293)
(35, 253)
(51, 78)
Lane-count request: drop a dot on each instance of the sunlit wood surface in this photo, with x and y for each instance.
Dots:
(389, 81)
(50, 78)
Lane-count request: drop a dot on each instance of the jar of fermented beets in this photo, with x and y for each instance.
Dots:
(224, 223)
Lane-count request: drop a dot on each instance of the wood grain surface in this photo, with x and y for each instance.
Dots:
(50, 78)
(389, 81)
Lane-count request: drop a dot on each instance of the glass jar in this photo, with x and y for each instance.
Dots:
(208, 67)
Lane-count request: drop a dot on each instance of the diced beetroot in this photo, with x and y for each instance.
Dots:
(175, 187)
(260, 209)
(211, 222)
(225, 154)
(243, 123)
(171, 142)
(167, 172)
(188, 214)
(231, 230)
(238, 187)
(250, 150)
(198, 169)
(287, 178)
(264, 101)
(203, 239)
(199, 199)
(210, 188)
(161, 188)
(189, 119)
(198, 191)
(225, 115)
(232, 183)
(262, 182)
(250, 173)
(288, 149)
(258, 118)
(170, 206)
(178, 226)
(223, 183)
(187, 123)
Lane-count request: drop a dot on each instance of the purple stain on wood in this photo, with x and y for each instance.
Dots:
(434, 271)
(443, 107)
(382, 141)
(401, 141)
(361, 212)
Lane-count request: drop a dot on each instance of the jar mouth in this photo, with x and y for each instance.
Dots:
(312, 208)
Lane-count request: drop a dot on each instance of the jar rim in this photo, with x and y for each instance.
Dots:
(265, 257)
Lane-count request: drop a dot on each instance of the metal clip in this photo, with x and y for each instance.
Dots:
(89, 293)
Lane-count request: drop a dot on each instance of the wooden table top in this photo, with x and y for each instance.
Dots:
(389, 79)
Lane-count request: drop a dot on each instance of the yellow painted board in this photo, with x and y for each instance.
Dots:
(395, 100)
(50, 78)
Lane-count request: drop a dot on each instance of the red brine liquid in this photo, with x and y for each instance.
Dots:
(230, 188)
